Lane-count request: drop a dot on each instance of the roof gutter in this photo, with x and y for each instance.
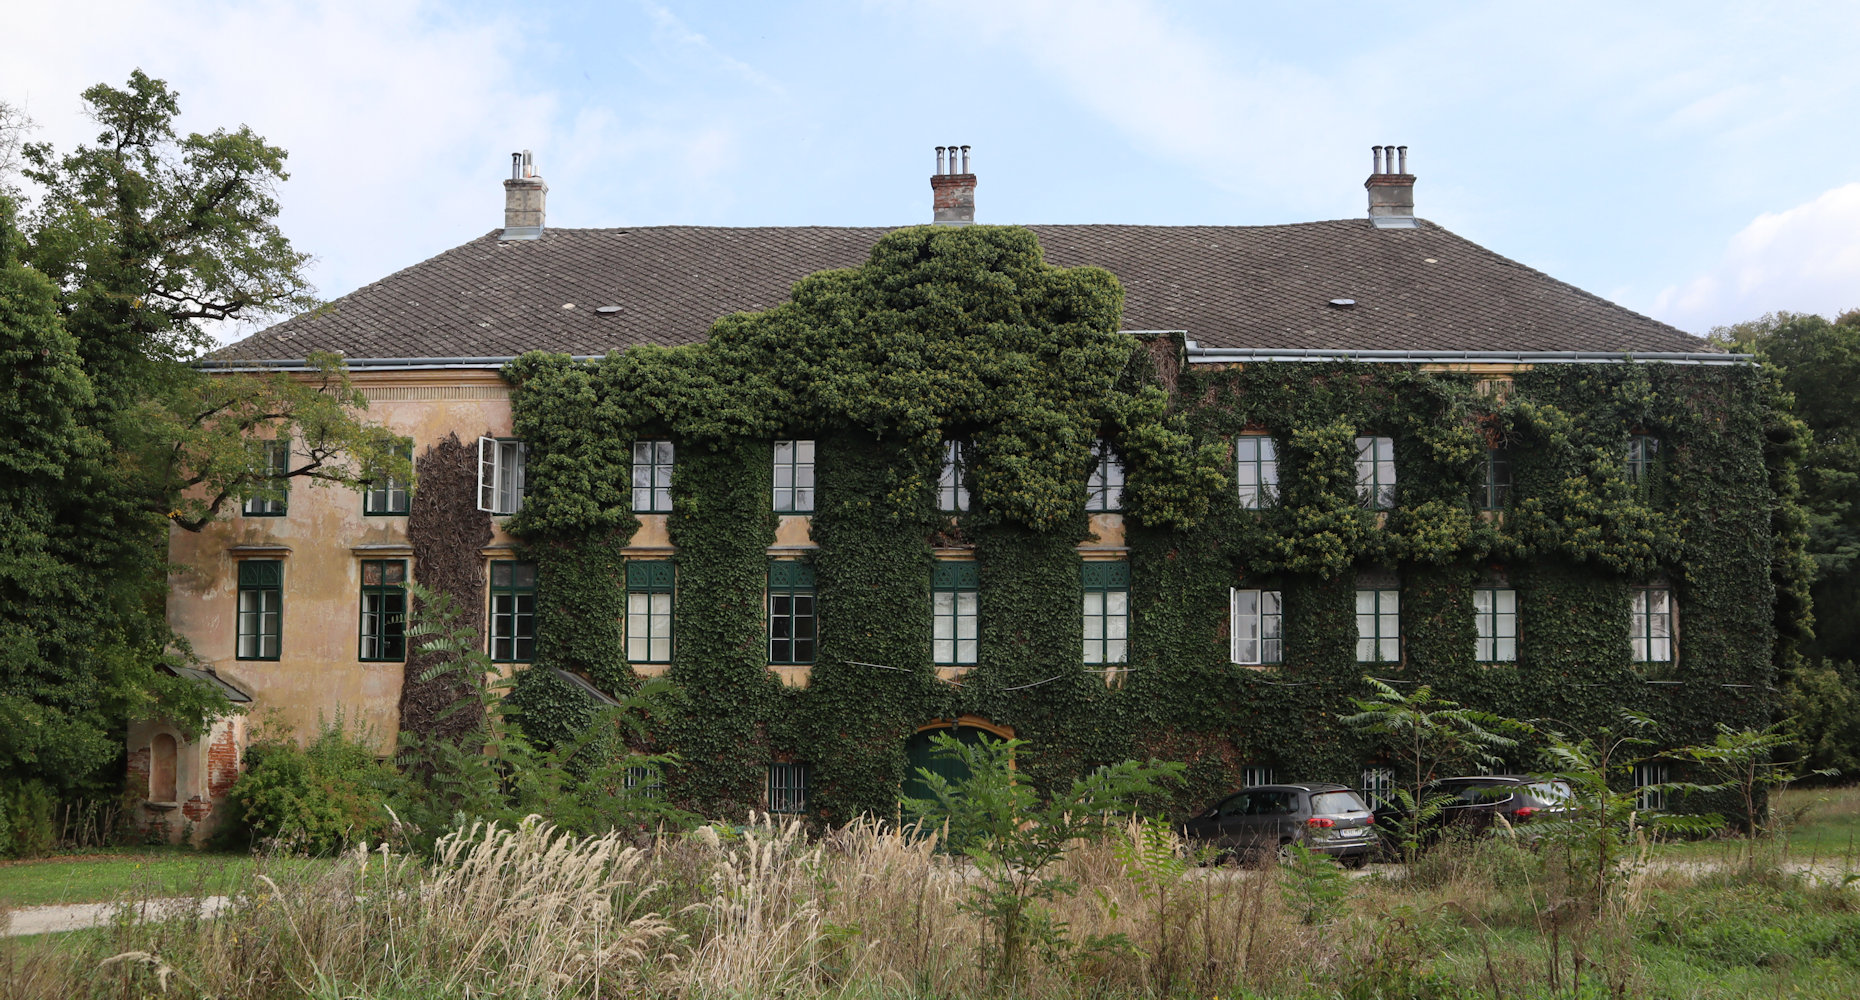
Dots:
(365, 364)
(1227, 355)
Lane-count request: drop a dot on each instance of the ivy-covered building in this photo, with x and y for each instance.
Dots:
(1116, 490)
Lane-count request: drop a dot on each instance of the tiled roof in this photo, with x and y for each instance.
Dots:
(1228, 286)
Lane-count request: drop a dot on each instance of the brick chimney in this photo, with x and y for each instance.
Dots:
(524, 194)
(1391, 189)
(953, 188)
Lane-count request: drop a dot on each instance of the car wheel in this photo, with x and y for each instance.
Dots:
(1355, 860)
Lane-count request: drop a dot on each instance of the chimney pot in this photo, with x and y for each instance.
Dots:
(953, 192)
(525, 194)
(1391, 189)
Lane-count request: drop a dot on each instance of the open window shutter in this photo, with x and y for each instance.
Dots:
(521, 488)
(1233, 625)
(487, 474)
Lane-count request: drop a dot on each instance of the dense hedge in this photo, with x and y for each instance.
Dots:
(966, 333)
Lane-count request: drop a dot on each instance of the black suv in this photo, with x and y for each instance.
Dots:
(1475, 803)
(1332, 819)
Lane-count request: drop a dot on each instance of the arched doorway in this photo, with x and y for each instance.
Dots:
(919, 752)
(163, 760)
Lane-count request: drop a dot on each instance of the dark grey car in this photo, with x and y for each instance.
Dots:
(1332, 819)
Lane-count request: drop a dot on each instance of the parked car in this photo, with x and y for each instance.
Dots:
(1332, 819)
(1476, 802)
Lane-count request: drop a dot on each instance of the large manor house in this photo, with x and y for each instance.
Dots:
(1437, 465)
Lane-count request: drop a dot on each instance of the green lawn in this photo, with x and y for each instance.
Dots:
(1820, 825)
(146, 872)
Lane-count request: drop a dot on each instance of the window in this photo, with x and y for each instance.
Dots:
(261, 608)
(1107, 611)
(384, 609)
(1379, 786)
(952, 489)
(273, 460)
(954, 588)
(388, 494)
(1495, 479)
(500, 475)
(1257, 458)
(787, 788)
(1378, 626)
(652, 477)
(1375, 472)
(791, 612)
(1651, 625)
(1495, 610)
(513, 612)
(1643, 451)
(643, 782)
(649, 589)
(1255, 625)
(1104, 484)
(1255, 774)
(794, 477)
(1648, 778)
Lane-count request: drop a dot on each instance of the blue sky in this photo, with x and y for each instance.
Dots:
(1696, 161)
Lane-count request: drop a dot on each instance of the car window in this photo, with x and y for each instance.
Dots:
(1272, 804)
(1478, 794)
(1331, 803)
(1553, 792)
(1234, 806)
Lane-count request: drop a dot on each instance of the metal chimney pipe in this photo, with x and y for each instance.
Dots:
(939, 160)
(516, 165)
(965, 159)
(1404, 159)
(1376, 152)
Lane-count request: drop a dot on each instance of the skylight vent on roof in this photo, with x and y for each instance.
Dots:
(1343, 303)
(606, 310)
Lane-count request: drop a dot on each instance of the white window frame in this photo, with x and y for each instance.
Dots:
(1495, 618)
(1255, 775)
(501, 483)
(1375, 472)
(1104, 484)
(1256, 470)
(653, 459)
(796, 496)
(275, 453)
(1650, 612)
(1378, 785)
(1384, 609)
(1255, 626)
(1107, 613)
(952, 493)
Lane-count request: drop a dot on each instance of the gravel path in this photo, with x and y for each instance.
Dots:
(77, 916)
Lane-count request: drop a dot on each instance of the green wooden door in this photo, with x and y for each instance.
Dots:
(918, 754)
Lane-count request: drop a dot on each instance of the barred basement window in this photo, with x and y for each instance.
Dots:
(791, 612)
(388, 494)
(643, 782)
(1651, 625)
(1643, 453)
(384, 610)
(787, 788)
(1107, 611)
(954, 595)
(794, 477)
(652, 477)
(1255, 774)
(650, 586)
(1495, 612)
(1255, 621)
(273, 460)
(1495, 480)
(1649, 797)
(513, 612)
(952, 490)
(1379, 786)
(1375, 472)
(1378, 626)
(1104, 484)
(261, 609)
(1257, 459)
(501, 483)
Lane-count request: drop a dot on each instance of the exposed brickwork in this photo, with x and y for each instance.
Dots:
(222, 764)
(136, 778)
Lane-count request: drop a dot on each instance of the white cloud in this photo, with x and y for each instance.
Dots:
(1805, 259)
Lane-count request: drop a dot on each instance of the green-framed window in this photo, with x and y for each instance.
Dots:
(273, 459)
(388, 495)
(652, 477)
(650, 587)
(1643, 455)
(384, 610)
(794, 477)
(1378, 626)
(1495, 612)
(513, 612)
(1495, 479)
(787, 787)
(1375, 472)
(791, 612)
(1256, 626)
(955, 592)
(952, 487)
(1649, 795)
(261, 609)
(1256, 461)
(1104, 484)
(1107, 611)
(1651, 625)
(1254, 775)
(1378, 785)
